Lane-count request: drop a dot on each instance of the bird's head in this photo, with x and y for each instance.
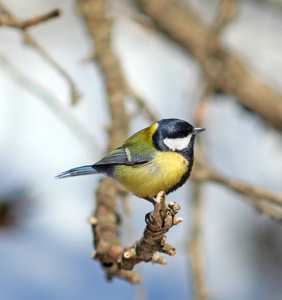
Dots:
(174, 135)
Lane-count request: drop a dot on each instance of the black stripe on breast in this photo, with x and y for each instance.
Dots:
(183, 179)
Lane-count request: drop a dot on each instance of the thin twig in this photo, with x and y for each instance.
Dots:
(133, 16)
(225, 15)
(267, 202)
(53, 103)
(29, 40)
(143, 106)
(6, 20)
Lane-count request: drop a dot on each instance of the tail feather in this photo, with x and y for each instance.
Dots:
(84, 170)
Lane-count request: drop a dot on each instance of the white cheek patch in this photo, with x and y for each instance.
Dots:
(178, 143)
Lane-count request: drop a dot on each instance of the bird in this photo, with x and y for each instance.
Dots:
(157, 158)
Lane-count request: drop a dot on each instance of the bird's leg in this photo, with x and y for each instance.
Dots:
(150, 200)
(147, 216)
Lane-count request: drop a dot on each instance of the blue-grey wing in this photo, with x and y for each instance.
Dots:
(123, 156)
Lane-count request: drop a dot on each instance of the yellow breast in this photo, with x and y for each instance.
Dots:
(162, 173)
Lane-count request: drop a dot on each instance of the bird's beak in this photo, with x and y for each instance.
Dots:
(198, 130)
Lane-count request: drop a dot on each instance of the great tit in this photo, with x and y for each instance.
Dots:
(157, 158)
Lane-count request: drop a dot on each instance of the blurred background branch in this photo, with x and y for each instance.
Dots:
(182, 25)
(106, 216)
(29, 40)
(54, 104)
(8, 20)
(269, 203)
(225, 15)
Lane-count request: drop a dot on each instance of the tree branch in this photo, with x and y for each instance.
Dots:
(182, 25)
(52, 103)
(120, 262)
(154, 239)
(105, 222)
(269, 203)
(224, 16)
(105, 226)
(143, 107)
(8, 21)
(29, 40)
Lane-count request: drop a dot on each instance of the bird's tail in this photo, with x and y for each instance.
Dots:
(84, 170)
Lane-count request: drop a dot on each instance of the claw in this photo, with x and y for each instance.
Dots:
(148, 217)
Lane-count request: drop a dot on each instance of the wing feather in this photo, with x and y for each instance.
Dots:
(123, 156)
